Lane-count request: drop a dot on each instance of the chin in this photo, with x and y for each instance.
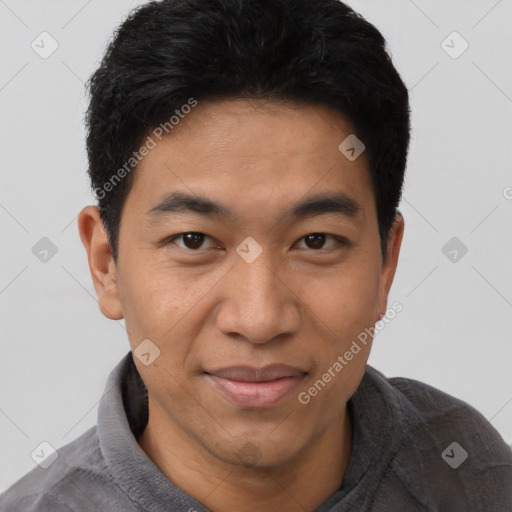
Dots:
(259, 453)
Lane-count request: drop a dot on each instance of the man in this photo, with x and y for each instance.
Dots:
(248, 158)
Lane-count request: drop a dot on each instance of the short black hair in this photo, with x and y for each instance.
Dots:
(168, 53)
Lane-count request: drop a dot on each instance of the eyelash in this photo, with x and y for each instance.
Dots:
(341, 241)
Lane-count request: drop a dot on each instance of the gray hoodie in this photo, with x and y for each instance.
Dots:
(414, 449)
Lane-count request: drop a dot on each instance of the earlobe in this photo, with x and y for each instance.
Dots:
(101, 263)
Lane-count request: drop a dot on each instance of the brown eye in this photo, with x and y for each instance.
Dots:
(316, 241)
(191, 240)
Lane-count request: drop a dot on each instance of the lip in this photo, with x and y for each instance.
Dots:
(254, 388)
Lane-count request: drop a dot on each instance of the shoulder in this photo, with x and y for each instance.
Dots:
(34, 503)
(78, 469)
(442, 412)
(449, 453)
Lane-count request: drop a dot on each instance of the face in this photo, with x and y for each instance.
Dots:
(247, 279)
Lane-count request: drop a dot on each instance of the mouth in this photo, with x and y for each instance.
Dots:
(254, 388)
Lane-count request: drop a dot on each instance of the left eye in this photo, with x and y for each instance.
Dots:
(315, 241)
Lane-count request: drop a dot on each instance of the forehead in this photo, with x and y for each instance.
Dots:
(252, 154)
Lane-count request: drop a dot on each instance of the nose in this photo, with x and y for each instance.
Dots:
(259, 303)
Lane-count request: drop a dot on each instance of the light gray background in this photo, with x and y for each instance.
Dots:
(454, 331)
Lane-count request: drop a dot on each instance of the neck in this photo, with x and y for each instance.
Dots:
(299, 485)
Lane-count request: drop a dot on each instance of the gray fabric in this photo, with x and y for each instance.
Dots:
(400, 428)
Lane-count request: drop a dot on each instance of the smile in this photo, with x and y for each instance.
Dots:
(252, 388)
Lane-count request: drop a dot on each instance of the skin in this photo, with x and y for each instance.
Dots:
(207, 308)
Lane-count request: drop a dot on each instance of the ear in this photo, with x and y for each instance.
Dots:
(101, 262)
(390, 263)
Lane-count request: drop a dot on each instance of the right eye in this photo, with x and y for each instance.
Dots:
(192, 240)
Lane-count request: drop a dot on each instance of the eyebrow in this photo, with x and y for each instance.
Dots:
(179, 202)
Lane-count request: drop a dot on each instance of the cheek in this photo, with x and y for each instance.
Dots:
(343, 300)
(347, 308)
(149, 290)
(343, 306)
(325, 395)
(161, 303)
